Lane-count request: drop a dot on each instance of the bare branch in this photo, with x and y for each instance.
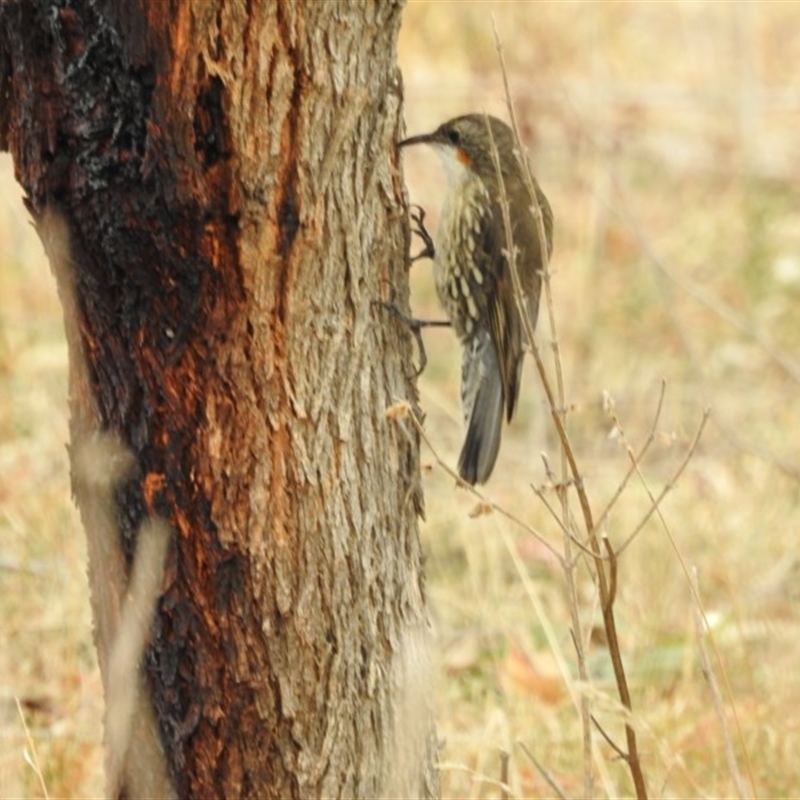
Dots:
(707, 627)
(475, 492)
(504, 785)
(637, 459)
(611, 743)
(557, 412)
(557, 408)
(612, 582)
(655, 502)
(543, 772)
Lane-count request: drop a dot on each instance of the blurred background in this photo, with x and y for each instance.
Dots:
(667, 139)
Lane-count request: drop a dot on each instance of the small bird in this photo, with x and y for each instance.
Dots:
(473, 278)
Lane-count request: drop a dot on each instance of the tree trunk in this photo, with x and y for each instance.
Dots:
(217, 188)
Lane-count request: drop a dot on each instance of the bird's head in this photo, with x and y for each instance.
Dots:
(465, 145)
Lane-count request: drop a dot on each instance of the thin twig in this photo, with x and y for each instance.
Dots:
(504, 785)
(557, 408)
(655, 502)
(543, 772)
(609, 621)
(612, 572)
(31, 757)
(553, 513)
(609, 741)
(490, 504)
(636, 459)
(561, 524)
(576, 692)
(716, 696)
(699, 605)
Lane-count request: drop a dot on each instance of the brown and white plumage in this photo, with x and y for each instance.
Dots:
(473, 278)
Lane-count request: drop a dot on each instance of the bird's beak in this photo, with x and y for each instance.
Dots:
(423, 138)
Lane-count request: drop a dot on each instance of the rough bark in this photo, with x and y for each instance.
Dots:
(216, 184)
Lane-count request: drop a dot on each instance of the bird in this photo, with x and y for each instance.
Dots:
(473, 278)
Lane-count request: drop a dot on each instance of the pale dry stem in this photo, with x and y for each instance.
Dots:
(505, 793)
(484, 502)
(606, 575)
(722, 310)
(702, 629)
(635, 459)
(655, 502)
(602, 555)
(30, 754)
(557, 409)
(577, 689)
(548, 778)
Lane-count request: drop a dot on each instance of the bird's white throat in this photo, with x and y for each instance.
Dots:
(457, 172)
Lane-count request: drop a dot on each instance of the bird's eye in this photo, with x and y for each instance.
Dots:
(453, 136)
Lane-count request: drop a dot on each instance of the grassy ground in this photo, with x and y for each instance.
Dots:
(665, 136)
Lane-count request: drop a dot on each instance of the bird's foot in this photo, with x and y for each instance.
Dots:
(414, 325)
(417, 214)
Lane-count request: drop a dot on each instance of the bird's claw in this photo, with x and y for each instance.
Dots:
(414, 325)
(417, 215)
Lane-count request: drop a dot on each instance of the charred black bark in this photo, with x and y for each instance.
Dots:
(153, 301)
(219, 285)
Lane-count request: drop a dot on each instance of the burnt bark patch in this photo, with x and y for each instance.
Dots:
(210, 126)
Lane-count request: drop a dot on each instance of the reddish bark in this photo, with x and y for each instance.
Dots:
(223, 182)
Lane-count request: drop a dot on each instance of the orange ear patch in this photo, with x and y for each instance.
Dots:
(462, 156)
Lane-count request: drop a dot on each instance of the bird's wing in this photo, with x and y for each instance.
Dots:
(501, 305)
(506, 325)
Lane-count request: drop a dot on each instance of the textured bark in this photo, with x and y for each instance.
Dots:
(216, 184)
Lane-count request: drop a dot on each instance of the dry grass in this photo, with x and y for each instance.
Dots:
(665, 138)
(665, 135)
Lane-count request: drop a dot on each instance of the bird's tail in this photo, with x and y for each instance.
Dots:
(482, 400)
